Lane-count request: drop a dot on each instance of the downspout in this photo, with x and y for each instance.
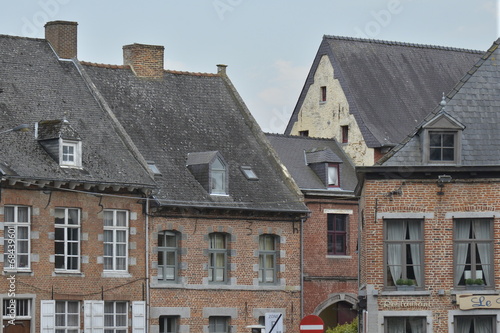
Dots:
(147, 264)
(301, 268)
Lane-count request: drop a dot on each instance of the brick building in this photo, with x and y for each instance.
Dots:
(345, 94)
(429, 224)
(72, 194)
(327, 179)
(151, 199)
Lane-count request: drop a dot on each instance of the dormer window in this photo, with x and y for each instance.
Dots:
(218, 177)
(333, 175)
(441, 140)
(325, 163)
(60, 141)
(210, 170)
(70, 153)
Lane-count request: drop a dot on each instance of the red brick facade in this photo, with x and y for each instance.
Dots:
(329, 279)
(439, 298)
(90, 282)
(193, 299)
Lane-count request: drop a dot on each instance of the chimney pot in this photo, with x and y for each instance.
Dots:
(145, 60)
(62, 35)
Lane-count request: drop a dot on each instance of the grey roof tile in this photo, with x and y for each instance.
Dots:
(390, 86)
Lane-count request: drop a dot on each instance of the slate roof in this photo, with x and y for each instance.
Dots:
(36, 86)
(292, 151)
(183, 113)
(390, 86)
(473, 102)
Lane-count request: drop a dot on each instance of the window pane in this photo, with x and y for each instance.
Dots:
(108, 218)
(9, 214)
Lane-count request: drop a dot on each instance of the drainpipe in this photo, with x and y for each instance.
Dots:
(301, 267)
(147, 264)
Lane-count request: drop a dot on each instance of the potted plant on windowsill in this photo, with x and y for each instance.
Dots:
(405, 285)
(474, 284)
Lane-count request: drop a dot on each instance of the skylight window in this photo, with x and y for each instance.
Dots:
(249, 173)
(153, 168)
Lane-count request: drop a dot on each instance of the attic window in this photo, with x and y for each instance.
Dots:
(210, 170)
(249, 173)
(333, 175)
(323, 94)
(153, 168)
(218, 177)
(70, 153)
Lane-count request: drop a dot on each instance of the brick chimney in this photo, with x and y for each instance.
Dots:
(145, 60)
(62, 36)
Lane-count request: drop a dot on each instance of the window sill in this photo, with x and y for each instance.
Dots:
(337, 256)
(110, 274)
(470, 291)
(18, 272)
(67, 273)
(405, 293)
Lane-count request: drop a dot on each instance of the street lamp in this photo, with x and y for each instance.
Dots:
(18, 128)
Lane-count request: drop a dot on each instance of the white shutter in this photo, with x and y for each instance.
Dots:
(47, 316)
(139, 317)
(94, 316)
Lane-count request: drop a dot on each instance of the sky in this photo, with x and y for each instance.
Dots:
(269, 46)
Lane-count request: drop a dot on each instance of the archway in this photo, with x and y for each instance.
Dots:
(338, 309)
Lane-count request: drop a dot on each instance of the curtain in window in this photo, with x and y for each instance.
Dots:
(396, 325)
(482, 231)
(8, 214)
(414, 230)
(483, 325)
(417, 325)
(464, 324)
(73, 216)
(22, 214)
(395, 231)
(462, 229)
(333, 175)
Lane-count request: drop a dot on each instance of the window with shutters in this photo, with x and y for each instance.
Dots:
(67, 317)
(115, 317)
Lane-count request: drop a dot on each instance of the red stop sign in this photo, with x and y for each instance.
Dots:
(312, 324)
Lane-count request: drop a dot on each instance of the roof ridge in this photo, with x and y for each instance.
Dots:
(417, 45)
(190, 73)
(300, 137)
(95, 64)
(23, 37)
(110, 66)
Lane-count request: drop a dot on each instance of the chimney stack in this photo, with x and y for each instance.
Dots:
(145, 60)
(62, 35)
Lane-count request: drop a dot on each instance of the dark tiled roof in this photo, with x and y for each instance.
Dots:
(292, 151)
(474, 102)
(390, 86)
(169, 118)
(35, 86)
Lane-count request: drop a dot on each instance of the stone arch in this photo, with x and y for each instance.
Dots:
(329, 310)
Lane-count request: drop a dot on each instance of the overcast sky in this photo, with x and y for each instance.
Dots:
(268, 45)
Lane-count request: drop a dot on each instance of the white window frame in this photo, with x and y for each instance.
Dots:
(333, 175)
(12, 242)
(77, 153)
(66, 226)
(19, 304)
(114, 229)
(66, 328)
(222, 172)
(114, 316)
